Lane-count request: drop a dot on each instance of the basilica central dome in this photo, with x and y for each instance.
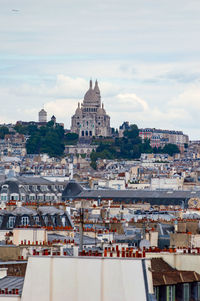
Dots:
(91, 95)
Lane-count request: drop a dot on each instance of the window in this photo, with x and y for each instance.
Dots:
(40, 197)
(170, 293)
(25, 220)
(32, 197)
(11, 222)
(1, 220)
(186, 292)
(14, 197)
(54, 220)
(37, 220)
(198, 291)
(63, 221)
(156, 292)
(46, 220)
(23, 197)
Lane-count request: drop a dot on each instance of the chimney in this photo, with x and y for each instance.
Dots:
(75, 251)
(19, 204)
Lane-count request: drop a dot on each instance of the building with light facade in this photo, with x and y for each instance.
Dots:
(90, 118)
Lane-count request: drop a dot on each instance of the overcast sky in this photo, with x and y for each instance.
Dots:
(144, 53)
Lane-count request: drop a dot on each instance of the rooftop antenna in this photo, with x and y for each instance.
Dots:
(81, 227)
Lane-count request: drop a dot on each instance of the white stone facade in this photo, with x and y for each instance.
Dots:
(42, 116)
(90, 118)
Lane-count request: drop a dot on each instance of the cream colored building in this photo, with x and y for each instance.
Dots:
(90, 118)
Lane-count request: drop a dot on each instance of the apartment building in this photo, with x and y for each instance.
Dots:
(159, 137)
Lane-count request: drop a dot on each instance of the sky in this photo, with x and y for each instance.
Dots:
(144, 53)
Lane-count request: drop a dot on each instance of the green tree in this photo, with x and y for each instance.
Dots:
(71, 138)
(3, 131)
(171, 149)
(93, 164)
(26, 129)
(20, 129)
(146, 147)
(47, 139)
(132, 133)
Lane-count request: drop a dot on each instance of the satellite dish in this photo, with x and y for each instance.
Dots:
(144, 243)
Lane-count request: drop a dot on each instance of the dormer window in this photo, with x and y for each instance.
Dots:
(4, 197)
(25, 220)
(11, 222)
(37, 220)
(46, 220)
(14, 197)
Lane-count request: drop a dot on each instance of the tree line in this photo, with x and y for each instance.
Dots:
(129, 147)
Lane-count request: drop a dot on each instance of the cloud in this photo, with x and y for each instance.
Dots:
(188, 99)
(64, 86)
(63, 109)
(129, 102)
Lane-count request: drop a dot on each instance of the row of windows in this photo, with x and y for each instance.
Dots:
(25, 221)
(11, 221)
(30, 197)
(89, 110)
(86, 133)
(187, 291)
(43, 187)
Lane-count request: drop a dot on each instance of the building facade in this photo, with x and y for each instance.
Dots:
(80, 149)
(159, 138)
(31, 189)
(44, 216)
(90, 118)
(42, 116)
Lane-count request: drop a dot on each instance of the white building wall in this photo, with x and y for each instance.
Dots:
(195, 241)
(166, 183)
(81, 279)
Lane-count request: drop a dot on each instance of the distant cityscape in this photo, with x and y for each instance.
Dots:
(92, 192)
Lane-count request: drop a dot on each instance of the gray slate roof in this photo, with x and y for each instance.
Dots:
(23, 210)
(138, 194)
(33, 181)
(50, 210)
(12, 282)
(72, 189)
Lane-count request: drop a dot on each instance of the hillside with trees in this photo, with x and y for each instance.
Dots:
(49, 139)
(129, 147)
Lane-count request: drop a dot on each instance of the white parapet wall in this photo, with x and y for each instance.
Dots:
(82, 278)
(29, 236)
